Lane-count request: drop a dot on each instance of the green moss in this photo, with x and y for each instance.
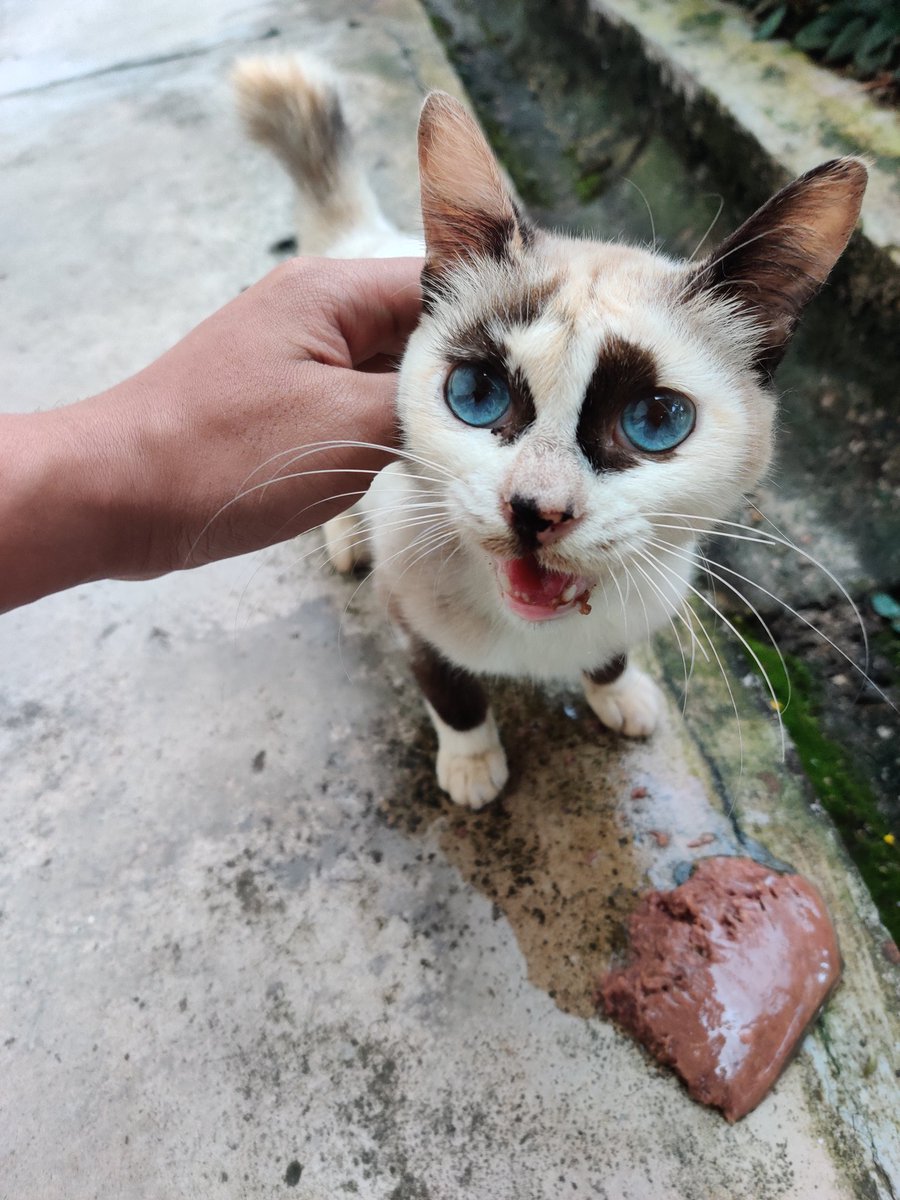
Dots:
(588, 187)
(838, 786)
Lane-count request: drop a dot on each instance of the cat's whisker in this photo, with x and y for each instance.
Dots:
(614, 577)
(714, 262)
(846, 595)
(640, 596)
(763, 537)
(424, 536)
(440, 570)
(709, 228)
(422, 504)
(363, 536)
(866, 678)
(298, 453)
(366, 535)
(671, 548)
(671, 613)
(652, 561)
(640, 192)
(426, 547)
(673, 626)
(307, 448)
(242, 495)
(776, 706)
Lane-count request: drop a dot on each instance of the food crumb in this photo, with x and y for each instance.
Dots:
(661, 838)
(703, 840)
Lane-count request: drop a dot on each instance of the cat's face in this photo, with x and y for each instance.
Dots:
(572, 397)
(578, 386)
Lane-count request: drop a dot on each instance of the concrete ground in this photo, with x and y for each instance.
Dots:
(246, 949)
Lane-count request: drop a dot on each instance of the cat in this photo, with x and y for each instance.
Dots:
(571, 411)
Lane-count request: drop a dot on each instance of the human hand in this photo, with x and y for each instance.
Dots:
(228, 421)
(211, 451)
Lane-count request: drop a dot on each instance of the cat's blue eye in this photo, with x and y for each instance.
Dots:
(477, 394)
(658, 422)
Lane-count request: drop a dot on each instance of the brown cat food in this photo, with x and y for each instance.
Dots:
(726, 974)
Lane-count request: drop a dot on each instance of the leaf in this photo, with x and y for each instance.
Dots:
(880, 33)
(871, 64)
(856, 8)
(847, 40)
(818, 33)
(875, 51)
(886, 606)
(771, 24)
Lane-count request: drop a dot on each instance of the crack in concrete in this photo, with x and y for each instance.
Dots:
(409, 62)
(132, 64)
(881, 1172)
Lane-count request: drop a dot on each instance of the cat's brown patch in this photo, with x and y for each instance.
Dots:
(459, 233)
(624, 372)
(609, 672)
(475, 343)
(456, 696)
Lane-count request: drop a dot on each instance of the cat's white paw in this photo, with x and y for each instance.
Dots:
(472, 780)
(471, 764)
(631, 704)
(346, 543)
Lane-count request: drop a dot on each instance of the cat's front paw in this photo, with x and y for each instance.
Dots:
(631, 704)
(472, 780)
(346, 542)
(471, 764)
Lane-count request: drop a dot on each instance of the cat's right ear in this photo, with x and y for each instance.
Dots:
(467, 209)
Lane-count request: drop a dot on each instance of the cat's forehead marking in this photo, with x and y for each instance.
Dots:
(625, 371)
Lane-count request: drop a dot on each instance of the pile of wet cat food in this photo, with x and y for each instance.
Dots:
(726, 973)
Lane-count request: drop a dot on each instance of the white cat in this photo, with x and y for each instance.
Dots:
(572, 412)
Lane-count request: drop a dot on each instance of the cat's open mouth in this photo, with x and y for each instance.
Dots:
(531, 591)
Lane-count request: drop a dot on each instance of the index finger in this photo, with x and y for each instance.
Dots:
(381, 305)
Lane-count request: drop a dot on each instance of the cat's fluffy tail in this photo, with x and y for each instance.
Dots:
(291, 104)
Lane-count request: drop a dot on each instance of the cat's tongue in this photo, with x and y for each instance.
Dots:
(536, 594)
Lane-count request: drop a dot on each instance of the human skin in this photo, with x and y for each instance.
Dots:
(168, 469)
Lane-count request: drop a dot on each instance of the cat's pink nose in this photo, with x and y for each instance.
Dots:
(538, 526)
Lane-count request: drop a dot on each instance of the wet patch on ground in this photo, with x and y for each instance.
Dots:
(588, 821)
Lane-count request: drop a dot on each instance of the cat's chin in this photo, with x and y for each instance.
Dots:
(536, 594)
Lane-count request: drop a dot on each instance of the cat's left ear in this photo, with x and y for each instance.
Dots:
(779, 258)
(467, 209)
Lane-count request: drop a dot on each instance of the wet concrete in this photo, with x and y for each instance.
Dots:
(246, 946)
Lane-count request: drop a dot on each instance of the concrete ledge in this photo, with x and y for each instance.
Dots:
(767, 113)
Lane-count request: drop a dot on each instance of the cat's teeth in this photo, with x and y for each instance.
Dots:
(567, 594)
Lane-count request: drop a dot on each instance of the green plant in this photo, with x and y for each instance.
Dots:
(861, 37)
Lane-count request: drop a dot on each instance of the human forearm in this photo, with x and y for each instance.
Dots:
(58, 518)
